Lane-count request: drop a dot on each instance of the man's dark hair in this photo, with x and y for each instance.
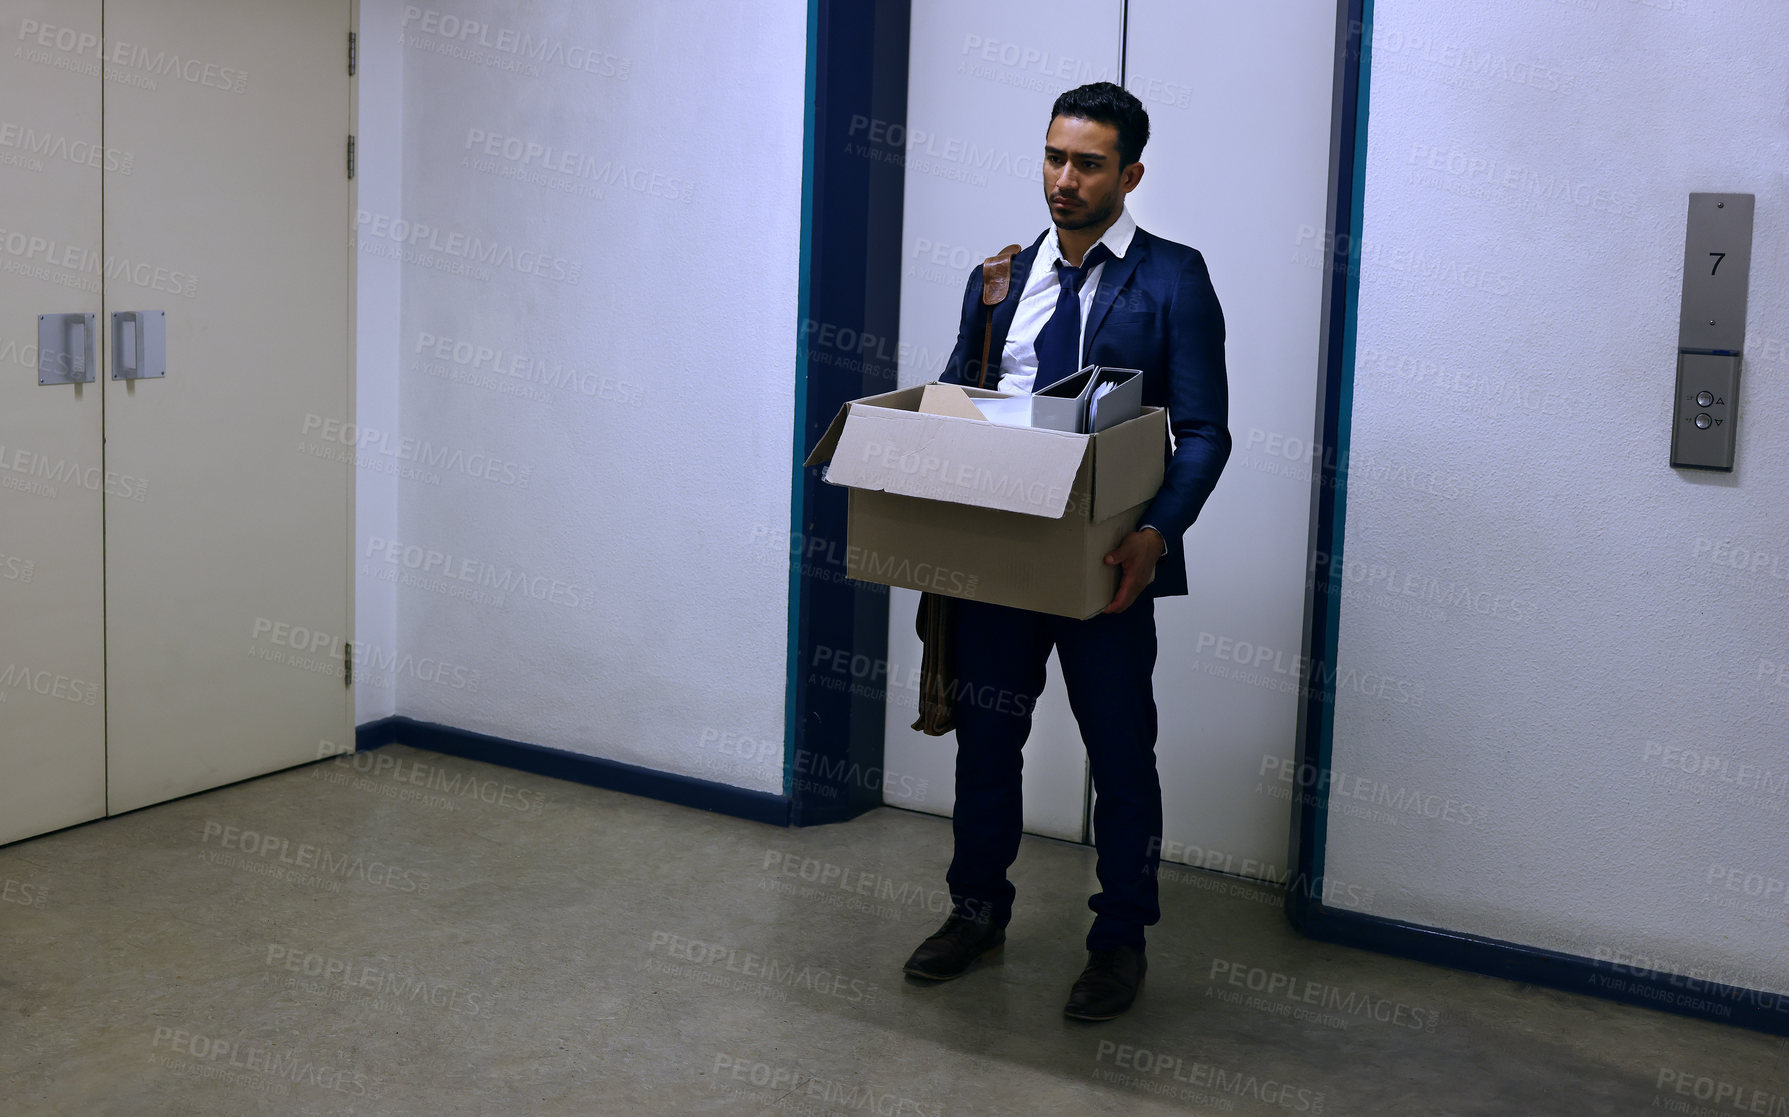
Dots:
(1105, 103)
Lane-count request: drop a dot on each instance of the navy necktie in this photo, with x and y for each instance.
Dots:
(1059, 342)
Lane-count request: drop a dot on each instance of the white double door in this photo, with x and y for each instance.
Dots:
(174, 555)
(1239, 98)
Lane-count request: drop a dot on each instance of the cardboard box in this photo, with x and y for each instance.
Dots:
(944, 500)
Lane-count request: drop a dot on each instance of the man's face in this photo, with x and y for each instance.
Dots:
(1082, 183)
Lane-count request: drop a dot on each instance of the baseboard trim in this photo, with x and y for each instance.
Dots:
(593, 771)
(1610, 979)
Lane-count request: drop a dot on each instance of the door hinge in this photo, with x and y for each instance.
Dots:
(353, 44)
(350, 156)
(348, 666)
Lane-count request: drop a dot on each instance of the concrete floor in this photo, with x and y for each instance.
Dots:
(439, 937)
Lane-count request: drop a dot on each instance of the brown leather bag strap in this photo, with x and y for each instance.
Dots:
(996, 279)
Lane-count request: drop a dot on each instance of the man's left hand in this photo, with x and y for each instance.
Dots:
(1138, 553)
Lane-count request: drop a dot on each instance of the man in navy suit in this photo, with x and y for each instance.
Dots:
(1092, 289)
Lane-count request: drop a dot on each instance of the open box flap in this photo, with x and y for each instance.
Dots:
(963, 461)
(949, 399)
(906, 399)
(916, 398)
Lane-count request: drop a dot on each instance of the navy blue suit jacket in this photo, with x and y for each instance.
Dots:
(1155, 311)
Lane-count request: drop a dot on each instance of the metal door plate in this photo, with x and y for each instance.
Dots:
(65, 348)
(139, 344)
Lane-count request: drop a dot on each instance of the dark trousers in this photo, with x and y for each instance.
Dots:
(1107, 665)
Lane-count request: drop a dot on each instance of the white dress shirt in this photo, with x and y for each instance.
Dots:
(1037, 302)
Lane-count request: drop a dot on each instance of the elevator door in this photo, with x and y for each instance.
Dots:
(980, 82)
(1237, 167)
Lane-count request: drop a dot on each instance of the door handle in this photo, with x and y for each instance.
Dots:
(139, 344)
(126, 344)
(65, 349)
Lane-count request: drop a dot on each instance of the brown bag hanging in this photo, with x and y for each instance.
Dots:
(936, 619)
(996, 278)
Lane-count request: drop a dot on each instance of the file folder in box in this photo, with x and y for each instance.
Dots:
(1070, 404)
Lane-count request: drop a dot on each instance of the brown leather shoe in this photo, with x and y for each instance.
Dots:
(1108, 985)
(954, 947)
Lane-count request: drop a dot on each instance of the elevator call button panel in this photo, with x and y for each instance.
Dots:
(1711, 333)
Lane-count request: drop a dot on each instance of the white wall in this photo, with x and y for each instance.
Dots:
(1568, 607)
(599, 227)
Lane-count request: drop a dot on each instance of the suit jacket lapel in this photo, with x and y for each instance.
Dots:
(1112, 280)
